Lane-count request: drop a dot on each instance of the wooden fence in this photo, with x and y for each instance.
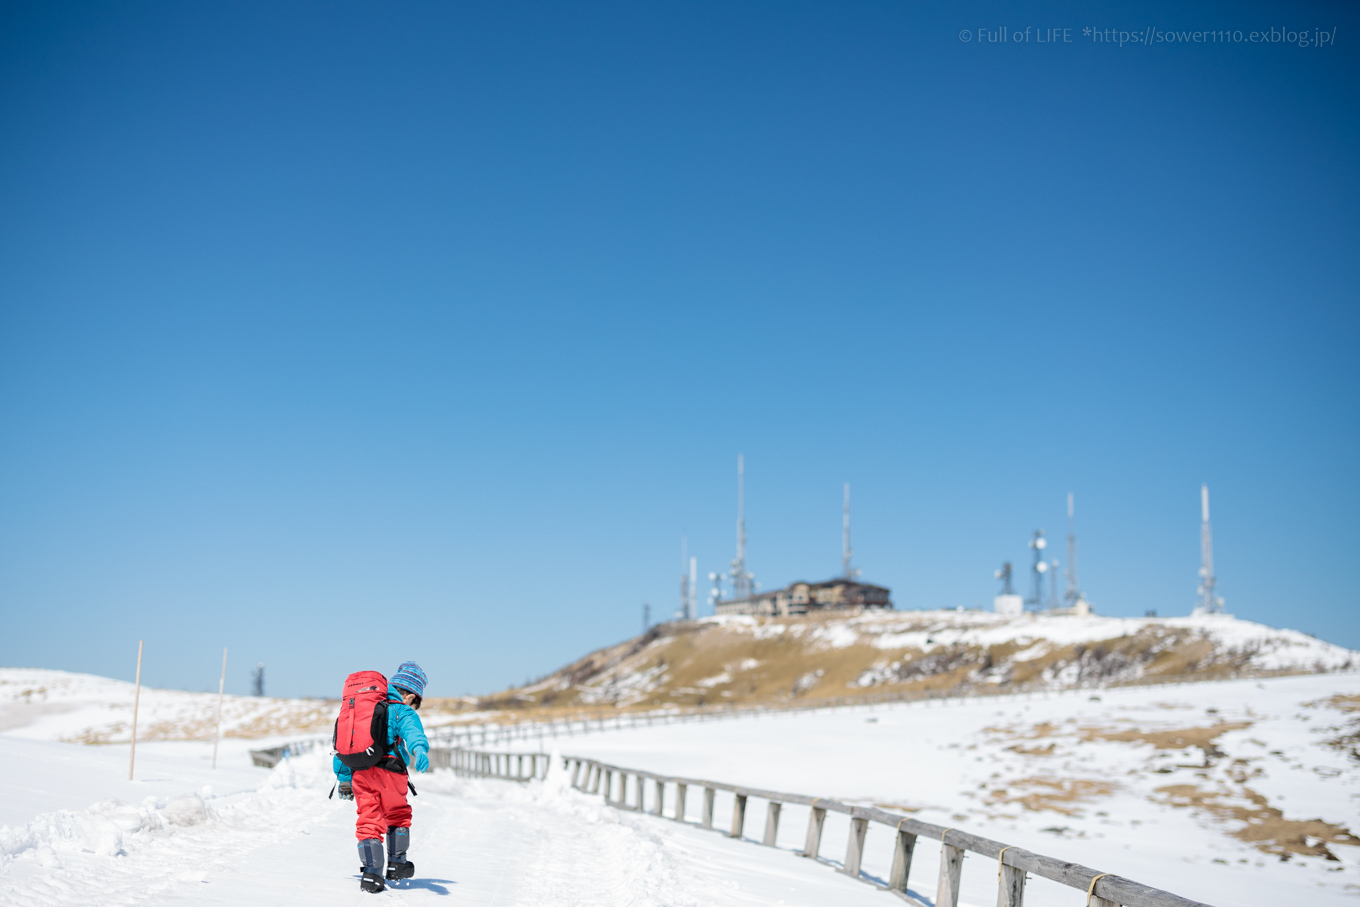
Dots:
(480, 764)
(268, 758)
(1102, 889)
(590, 776)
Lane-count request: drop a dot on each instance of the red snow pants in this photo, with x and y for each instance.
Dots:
(380, 796)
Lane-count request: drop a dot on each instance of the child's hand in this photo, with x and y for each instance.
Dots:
(346, 791)
(421, 760)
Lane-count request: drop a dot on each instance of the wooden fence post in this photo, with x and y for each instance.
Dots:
(814, 832)
(680, 802)
(660, 797)
(1010, 885)
(221, 686)
(901, 862)
(771, 822)
(136, 701)
(854, 847)
(709, 793)
(738, 815)
(951, 867)
(1095, 900)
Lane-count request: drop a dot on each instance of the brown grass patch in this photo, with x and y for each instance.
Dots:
(1263, 826)
(1059, 795)
(1019, 732)
(1343, 702)
(1347, 738)
(271, 724)
(672, 658)
(99, 736)
(1033, 750)
(899, 808)
(1204, 738)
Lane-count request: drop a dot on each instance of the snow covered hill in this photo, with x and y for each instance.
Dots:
(748, 660)
(41, 704)
(1240, 792)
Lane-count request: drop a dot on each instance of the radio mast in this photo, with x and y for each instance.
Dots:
(686, 583)
(691, 607)
(1073, 590)
(1209, 600)
(847, 571)
(1037, 571)
(742, 580)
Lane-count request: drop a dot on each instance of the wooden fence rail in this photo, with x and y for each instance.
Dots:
(1102, 889)
(520, 767)
(268, 758)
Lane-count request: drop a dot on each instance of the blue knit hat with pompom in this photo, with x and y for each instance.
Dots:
(410, 677)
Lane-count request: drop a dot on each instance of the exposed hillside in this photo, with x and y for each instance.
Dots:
(749, 660)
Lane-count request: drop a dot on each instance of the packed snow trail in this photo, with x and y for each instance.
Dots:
(473, 842)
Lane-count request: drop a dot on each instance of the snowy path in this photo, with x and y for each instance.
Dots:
(474, 842)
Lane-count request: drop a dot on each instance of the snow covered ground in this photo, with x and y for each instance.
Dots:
(272, 837)
(1201, 789)
(40, 704)
(1226, 792)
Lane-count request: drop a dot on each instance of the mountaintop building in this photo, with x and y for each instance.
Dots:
(803, 598)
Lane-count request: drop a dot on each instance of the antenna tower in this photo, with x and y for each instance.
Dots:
(742, 580)
(1209, 600)
(1037, 571)
(686, 583)
(1004, 574)
(847, 571)
(1073, 590)
(691, 606)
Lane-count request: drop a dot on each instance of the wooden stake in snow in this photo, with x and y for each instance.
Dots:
(136, 701)
(221, 685)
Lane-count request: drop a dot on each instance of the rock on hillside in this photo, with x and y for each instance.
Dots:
(749, 660)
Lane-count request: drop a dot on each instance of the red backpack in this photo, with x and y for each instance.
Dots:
(360, 737)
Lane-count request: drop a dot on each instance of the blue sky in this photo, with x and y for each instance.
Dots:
(341, 334)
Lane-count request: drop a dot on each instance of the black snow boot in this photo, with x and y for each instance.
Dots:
(371, 855)
(398, 867)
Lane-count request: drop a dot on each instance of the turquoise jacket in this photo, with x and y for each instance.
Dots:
(405, 734)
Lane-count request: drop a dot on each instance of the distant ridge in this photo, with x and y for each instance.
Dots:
(752, 661)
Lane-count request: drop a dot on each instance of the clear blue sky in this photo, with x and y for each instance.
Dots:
(346, 333)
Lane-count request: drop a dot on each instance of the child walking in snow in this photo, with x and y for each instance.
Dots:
(379, 790)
